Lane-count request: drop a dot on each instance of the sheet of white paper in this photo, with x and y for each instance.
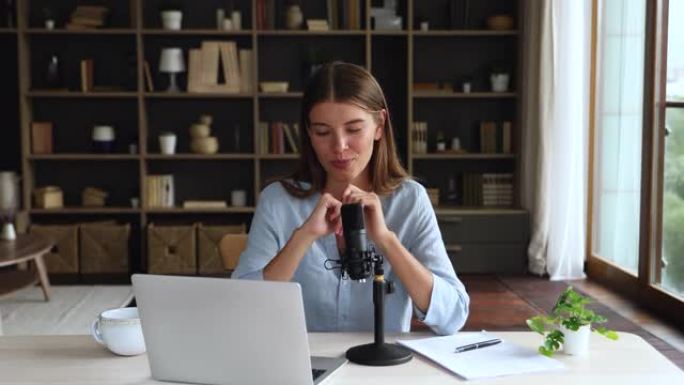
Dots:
(497, 360)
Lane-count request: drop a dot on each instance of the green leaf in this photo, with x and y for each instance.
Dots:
(610, 334)
(537, 324)
(544, 351)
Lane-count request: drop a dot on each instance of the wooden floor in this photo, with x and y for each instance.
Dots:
(505, 302)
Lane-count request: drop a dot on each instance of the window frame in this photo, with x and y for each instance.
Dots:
(639, 288)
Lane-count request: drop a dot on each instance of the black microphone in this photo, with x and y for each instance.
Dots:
(354, 259)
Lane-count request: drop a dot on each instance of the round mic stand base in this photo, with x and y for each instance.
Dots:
(378, 355)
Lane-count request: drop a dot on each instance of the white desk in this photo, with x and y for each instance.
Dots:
(79, 360)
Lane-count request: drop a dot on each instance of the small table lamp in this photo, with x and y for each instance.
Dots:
(9, 203)
(172, 62)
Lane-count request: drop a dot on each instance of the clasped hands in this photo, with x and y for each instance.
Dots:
(326, 217)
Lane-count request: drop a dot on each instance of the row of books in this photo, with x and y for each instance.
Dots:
(495, 137)
(340, 14)
(220, 60)
(279, 137)
(488, 190)
(159, 191)
(87, 17)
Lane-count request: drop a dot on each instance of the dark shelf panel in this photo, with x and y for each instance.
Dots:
(465, 33)
(103, 31)
(84, 157)
(284, 95)
(199, 156)
(87, 210)
(180, 210)
(75, 94)
(461, 210)
(187, 95)
(195, 32)
(446, 155)
(289, 33)
(461, 95)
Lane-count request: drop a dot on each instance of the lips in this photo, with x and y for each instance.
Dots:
(342, 164)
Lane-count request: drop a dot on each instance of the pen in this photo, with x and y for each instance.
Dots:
(477, 345)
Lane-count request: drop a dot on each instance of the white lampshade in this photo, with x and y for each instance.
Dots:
(9, 193)
(171, 60)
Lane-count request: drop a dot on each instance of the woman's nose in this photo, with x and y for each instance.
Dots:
(339, 143)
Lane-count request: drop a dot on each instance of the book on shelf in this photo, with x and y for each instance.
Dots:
(291, 137)
(87, 17)
(159, 191)
(204, 204)
(234, 65)
(278, 138)
(263, 137)
(317, 25)
(497, 189)
(87, 75)
(246, 70)
(506, 141)
(41, 137)
(148, 76)
(419, 137)
(496, 137)
(339, 14)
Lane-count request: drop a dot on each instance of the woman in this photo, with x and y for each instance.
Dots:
(348, 156)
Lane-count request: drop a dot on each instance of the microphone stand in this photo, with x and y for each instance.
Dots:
(379, 353)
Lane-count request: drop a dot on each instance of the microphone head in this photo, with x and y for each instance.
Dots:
(352, 218)
(354, 259)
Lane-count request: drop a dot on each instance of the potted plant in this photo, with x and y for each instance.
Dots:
(499, 78)
(569, 324)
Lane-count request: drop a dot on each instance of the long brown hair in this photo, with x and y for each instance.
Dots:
(345, 83)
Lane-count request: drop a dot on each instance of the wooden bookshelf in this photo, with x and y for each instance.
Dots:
(397, 58)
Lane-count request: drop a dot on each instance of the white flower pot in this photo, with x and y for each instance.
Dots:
(499, 82)
(576, 343)
(172, 20)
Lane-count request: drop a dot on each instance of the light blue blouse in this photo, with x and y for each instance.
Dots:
(335, 304)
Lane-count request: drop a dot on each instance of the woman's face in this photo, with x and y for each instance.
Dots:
(342, 136)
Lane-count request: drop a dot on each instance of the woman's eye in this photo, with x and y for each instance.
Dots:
(321, 133)
(354, 129)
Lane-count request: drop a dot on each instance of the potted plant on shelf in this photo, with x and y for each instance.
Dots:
(569, 324)
(499, 78)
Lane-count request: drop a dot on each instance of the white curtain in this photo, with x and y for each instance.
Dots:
(554, 145)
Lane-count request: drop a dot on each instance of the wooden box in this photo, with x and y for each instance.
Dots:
(48, 197)
(104, 248)
(93, 197)
(171, 249)
(209, 259)
(63, 258)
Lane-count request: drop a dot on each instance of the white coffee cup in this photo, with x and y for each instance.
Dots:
(171, 20)
(120, 331)
(167, 144)
(238, 198)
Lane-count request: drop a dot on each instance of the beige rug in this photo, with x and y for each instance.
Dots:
(71, 309)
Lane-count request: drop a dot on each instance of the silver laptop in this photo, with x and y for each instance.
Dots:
(226, 331)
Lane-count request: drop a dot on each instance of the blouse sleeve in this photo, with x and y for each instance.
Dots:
(449, 302)
(262, 241)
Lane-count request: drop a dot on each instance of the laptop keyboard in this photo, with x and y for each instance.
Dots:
(317, 373)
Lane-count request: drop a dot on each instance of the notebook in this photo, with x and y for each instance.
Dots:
(497, 360)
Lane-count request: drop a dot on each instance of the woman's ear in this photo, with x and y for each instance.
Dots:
(380, 129)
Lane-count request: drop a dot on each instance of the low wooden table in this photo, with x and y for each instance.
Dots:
(26, 248)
